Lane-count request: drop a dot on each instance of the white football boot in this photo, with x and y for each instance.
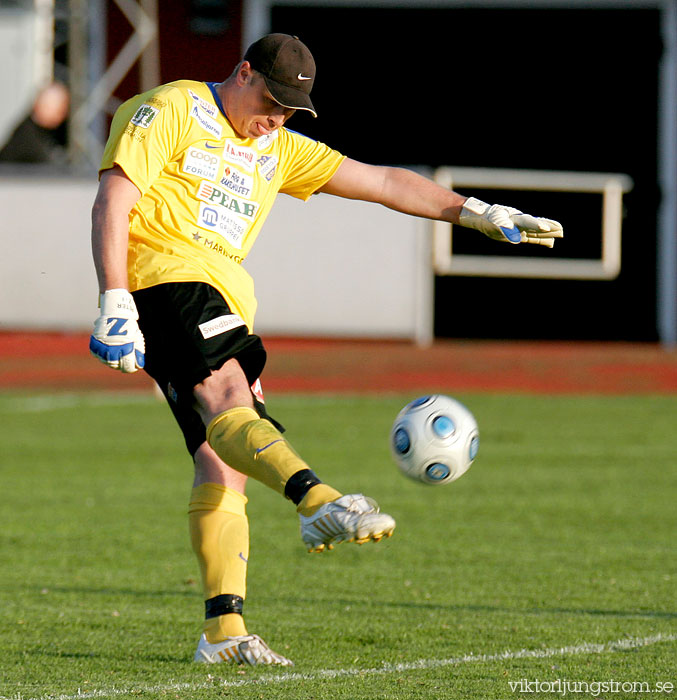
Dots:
(248, 649)
(351, 518)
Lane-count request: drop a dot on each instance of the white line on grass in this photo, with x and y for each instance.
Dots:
(330, 674)
(55, 402)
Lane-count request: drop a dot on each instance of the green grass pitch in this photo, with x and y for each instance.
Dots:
(552, 560)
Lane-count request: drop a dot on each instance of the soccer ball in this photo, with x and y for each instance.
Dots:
(434, 439)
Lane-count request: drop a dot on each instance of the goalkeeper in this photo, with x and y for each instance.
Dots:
(188, 176)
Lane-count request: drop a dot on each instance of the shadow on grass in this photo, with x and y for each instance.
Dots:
(191, 592)
(369, 603)
(108, 654)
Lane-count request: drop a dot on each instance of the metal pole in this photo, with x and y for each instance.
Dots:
(150, 57)
(667, 175)
(98, 44)
(78, 83)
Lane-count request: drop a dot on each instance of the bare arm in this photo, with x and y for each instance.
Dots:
(397, 188)
(116, 196)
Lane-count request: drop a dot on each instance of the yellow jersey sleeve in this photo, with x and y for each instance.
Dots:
(309, 164)
(145, 133)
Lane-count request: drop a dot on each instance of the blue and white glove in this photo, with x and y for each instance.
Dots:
(509, 225)
(117, 340)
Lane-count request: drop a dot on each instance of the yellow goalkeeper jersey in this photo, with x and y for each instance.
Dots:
(205, 191)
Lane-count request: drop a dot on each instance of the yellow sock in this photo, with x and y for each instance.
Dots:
(216, 629)
(317, 496)
(254, 446)
(219, 532)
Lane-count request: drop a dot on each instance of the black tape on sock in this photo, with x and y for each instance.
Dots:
(299, 484)
(223, 605)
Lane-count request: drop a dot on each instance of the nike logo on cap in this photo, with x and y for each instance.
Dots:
(300, 76)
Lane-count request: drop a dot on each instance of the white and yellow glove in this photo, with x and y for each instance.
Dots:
(509, 225)
(117, 339)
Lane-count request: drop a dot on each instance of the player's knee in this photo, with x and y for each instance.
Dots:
(222, 390)
(210, 468)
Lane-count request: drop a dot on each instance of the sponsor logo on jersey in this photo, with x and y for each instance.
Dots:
(264, 141)
(156, 102)
(221, 324)
(222, 221)
(267, 166)
(144, 116)
(240, 155)
(201, 163)
(206, 122)
(237, 182)
(216, 246)
(135, 132)
(214, 195)
(208, 107)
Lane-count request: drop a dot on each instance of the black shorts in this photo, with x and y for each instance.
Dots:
(189, 331)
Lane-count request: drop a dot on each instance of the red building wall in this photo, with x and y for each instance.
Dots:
(198, 40)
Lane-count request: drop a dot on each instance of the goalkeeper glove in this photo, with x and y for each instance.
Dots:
(117, 340)
(507, 224)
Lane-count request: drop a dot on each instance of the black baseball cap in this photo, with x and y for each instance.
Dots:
(288, 68)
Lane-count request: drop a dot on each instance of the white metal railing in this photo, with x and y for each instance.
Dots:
(611, 186)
